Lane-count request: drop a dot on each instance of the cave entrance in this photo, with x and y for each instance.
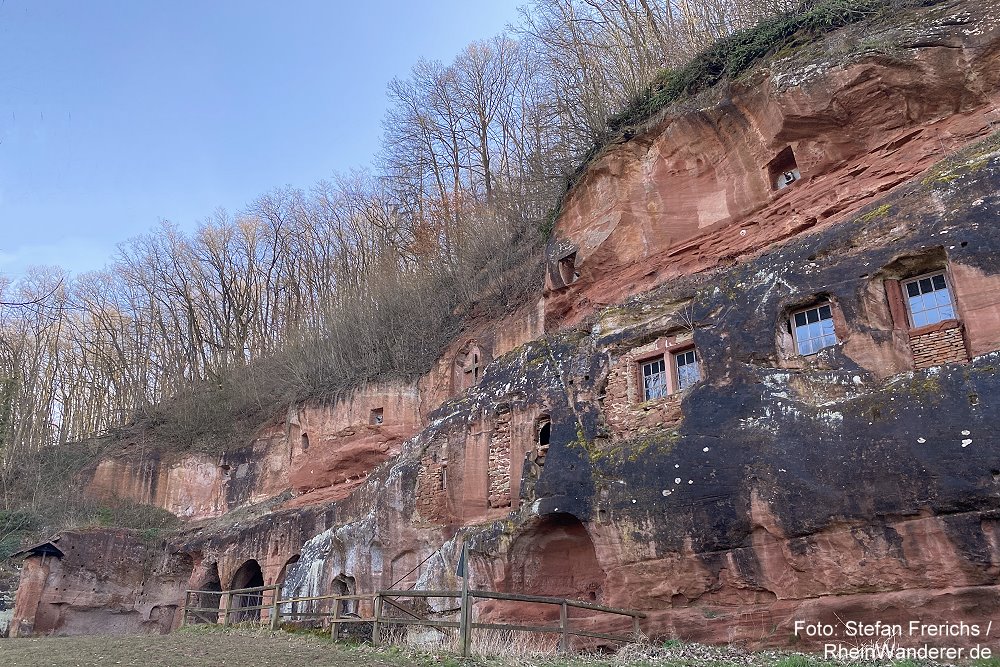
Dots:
(290, 608)
(543, 427)
(556, 557)
(783, 170)
(567, 269)
(249, 575)
(210, 597)
(280, 581)
(344, 585)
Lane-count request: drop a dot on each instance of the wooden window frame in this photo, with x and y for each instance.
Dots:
(666, 352)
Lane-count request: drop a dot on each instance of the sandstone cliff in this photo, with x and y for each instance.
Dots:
(767, 487)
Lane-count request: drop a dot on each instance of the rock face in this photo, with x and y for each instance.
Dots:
(697, 189)
(675, 452)
(97, 581)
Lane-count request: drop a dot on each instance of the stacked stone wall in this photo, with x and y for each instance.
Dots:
(432, 495)
(625, 413)
(940, 346)
(499, 463)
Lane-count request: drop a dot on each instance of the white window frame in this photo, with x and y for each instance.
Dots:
(904, 289)
(664, 378)
(675, 357)
(794, 328)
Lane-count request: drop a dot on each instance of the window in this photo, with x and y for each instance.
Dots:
(928, 299)
(376, 416)
(782, 170)
(688, 372)
(813, 329)
(654, 379)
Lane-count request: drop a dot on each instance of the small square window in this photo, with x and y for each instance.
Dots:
(813, 329)
(688, 371)
(928, 300)
(376, 417)
(654, 379)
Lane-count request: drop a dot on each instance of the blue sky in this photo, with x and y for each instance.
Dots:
(114, 115)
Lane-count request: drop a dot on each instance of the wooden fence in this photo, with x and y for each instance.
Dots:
(388, 609)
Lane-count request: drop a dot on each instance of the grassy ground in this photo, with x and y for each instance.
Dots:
(259, 648)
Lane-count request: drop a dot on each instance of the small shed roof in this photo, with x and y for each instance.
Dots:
(47, 548)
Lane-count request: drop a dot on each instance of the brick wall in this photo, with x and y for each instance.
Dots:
(499, 462)
(625, 413)
(939, 345)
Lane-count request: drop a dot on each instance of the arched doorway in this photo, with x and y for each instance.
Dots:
(249, 575)
(208, 598)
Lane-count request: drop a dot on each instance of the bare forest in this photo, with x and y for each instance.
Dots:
(194, 338)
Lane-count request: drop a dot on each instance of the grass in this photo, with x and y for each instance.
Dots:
(212, 645)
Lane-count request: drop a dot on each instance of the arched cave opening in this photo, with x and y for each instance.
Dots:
(344, 585)
(280, 581)
(567, 269)
(544, 427)
(249, 575)
(284, 569)
(556, 557)
(208, 598)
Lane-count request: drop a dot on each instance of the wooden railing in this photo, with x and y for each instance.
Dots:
(389, 610)
(466, 625)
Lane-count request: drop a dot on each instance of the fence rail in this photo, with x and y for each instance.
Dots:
(387, 606)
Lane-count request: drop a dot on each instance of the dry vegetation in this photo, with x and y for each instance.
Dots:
(190, 340)
(195, 647)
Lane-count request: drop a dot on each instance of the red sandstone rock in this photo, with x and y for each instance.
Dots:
(669, 203)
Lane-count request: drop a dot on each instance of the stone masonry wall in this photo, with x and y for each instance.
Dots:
(625, 413)
(940, 346)
(432, 497)
(499, 466)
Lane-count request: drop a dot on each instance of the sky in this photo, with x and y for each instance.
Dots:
(115, 115)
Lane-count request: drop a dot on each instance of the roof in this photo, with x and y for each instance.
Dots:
(47, 548)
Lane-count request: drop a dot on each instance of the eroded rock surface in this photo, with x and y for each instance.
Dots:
(859, 482)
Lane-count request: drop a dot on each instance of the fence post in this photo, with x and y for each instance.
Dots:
(335, 630)
(376, 638)
(635, 628)
(184, 609)
(563, 638)
(229, 604)
(275, 609)
(465, 620)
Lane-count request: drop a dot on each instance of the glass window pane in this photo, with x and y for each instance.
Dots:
(812, 315)
(825, 312)
(942, 297)
(912, 289)
(939, 282)
(919, 319)
(800, 319)
(925, 285)
(946, 312)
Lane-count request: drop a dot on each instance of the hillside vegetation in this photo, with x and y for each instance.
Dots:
(188, 341)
